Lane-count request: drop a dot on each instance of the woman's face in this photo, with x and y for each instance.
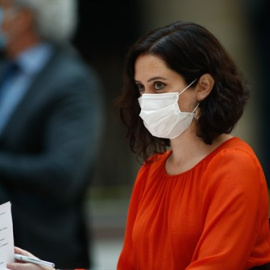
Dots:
(152, 76)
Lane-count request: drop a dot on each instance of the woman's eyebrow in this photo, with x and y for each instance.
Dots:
(156, 78)
(152, 79)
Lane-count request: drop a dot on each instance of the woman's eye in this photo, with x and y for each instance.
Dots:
(159, 85)
(140, 87)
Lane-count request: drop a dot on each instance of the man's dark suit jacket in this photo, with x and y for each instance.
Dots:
(47, 153)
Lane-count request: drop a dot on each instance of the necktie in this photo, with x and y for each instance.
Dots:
(8, 75)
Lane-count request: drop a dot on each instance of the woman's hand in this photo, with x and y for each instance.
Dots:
(20, 265)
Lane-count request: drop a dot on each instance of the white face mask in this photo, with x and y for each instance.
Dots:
(162, 116)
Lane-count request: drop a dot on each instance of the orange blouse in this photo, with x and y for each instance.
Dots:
(211, 217)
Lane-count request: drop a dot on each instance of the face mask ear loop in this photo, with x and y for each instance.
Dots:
(187, 87)
(196, 107)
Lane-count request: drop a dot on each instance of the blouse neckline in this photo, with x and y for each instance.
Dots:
(209, 156)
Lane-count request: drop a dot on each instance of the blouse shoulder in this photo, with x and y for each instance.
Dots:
(235, 151)
(155, 161)
(235, 162)
(158, 157)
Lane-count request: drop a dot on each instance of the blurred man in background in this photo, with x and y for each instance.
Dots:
(50, 125)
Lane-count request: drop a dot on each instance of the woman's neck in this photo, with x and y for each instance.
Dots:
(188, 150)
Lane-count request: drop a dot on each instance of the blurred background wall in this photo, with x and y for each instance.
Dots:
(106, 31)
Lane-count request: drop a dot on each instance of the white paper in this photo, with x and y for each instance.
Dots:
(6, 235)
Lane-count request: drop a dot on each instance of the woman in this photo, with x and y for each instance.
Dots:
(203, 202)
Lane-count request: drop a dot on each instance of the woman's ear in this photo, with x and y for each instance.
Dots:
(204, 86)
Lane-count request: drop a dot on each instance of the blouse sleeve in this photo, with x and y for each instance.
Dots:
(234, 210)
(126, 259)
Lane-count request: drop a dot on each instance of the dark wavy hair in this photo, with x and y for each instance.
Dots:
(190, 50)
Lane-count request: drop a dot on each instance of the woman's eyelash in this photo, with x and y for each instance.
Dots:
(140, 87)
(156, 86)
(159, 85)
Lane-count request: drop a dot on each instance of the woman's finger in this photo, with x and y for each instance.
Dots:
(27, 266)
(21, 251)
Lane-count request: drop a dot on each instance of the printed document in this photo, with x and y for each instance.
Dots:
(6, 235)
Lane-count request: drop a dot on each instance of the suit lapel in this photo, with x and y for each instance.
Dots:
(36, 93)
